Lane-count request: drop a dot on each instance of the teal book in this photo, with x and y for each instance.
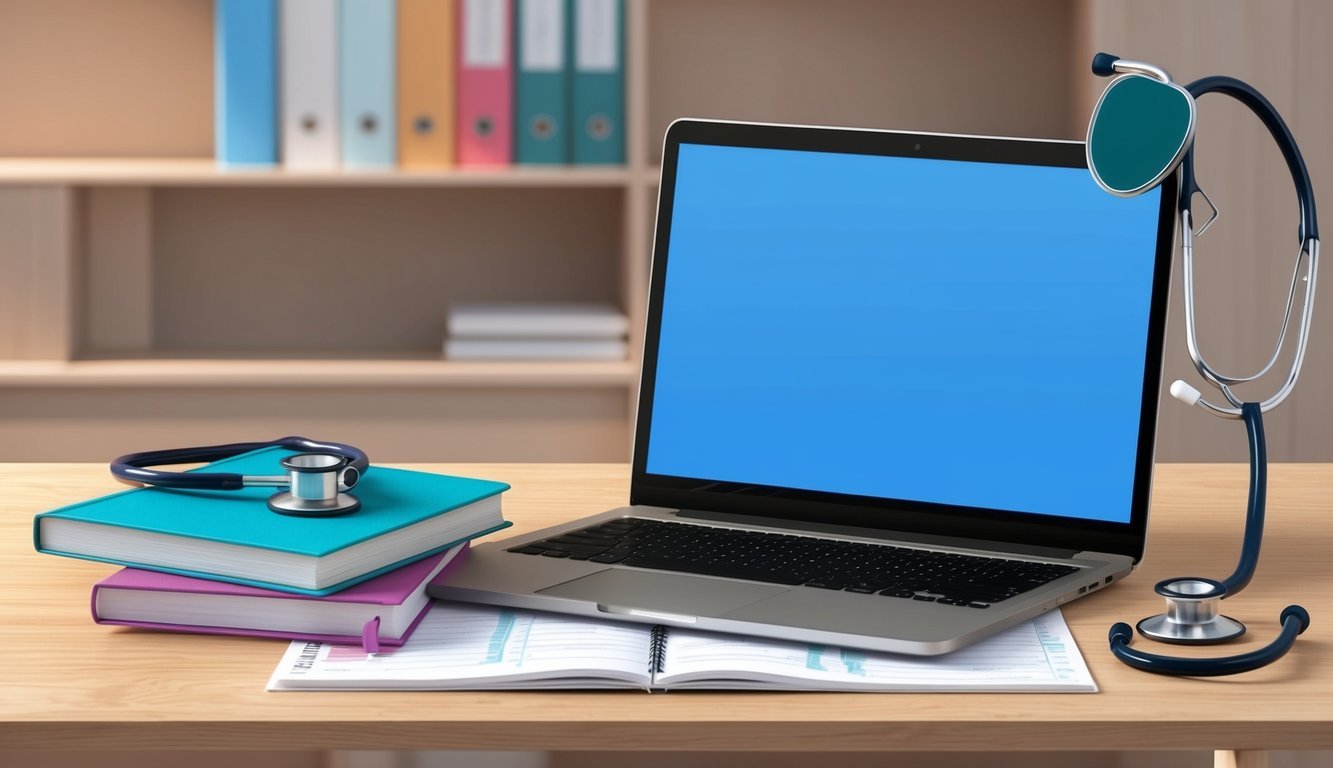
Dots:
(232, 536)
(541, 82)
(597, 104)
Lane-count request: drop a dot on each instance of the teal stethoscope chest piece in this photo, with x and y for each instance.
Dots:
(1141, 132)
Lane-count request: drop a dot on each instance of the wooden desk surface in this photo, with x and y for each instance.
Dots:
(66, 683)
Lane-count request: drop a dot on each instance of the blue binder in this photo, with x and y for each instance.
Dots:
(598, 103)
(246, 81)
(367, 40)
(541, 81)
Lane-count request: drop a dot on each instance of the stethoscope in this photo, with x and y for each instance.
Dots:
(317, 477)
(1141, 131)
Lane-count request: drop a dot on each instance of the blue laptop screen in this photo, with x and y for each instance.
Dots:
(961, 333)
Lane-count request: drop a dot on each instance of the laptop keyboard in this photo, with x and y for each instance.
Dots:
(775, 558)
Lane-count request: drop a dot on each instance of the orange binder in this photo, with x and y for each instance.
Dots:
(426, 59)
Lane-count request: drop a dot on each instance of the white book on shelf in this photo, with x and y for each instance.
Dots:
(515, 320)
(535, 349)
(309, 84)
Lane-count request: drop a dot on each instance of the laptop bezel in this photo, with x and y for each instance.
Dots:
(883, 514)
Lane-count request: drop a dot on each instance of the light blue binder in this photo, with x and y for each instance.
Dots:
(367, 62)
(598, 103)
(390, 499)
(246, 81)
(541, 81)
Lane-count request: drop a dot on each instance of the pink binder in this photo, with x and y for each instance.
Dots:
(485, 82)
(389, 590)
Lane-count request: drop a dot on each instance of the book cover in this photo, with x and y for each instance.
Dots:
(245, 88)
(485, 82)
(598, 100)
(426, 61)
(535, 349)
(570, 320)
(367, 39)
(309, 84)
(541, 82)
(233, 536)
(137, 598)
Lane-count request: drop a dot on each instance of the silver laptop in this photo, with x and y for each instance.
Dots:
(899, 392)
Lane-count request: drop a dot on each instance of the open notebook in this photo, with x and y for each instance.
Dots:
(472, 647)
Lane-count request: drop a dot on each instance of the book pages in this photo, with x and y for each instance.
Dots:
(1039, 655)
(462, 647)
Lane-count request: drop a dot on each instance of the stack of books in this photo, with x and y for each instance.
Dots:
(223, 563)
(323, 84)
(517, 331)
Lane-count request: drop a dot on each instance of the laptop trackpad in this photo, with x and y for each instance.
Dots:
(616, 591)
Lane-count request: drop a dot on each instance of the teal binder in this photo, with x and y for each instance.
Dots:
(391, 499)
(598, 91)
(367, 77)
(541, 81)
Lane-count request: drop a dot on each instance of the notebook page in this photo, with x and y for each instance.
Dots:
(465, 647)
(1039, 655)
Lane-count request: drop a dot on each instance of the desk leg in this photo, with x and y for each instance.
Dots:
(1240, 758)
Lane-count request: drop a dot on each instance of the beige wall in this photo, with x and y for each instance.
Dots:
(91, 79)
(1245, 260)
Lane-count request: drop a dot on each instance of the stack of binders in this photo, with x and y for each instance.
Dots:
(517, 331)
(324, 84)
(223, 563)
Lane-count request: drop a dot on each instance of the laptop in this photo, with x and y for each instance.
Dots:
(899, 392)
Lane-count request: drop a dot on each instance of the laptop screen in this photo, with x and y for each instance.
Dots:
(962, 333)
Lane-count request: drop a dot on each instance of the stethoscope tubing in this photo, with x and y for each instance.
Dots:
(134, 468)
(1295, 620)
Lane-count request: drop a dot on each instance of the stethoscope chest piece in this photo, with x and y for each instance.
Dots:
(1192, 616)
(314, 491)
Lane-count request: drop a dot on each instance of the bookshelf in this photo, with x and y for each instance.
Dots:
(149, 292)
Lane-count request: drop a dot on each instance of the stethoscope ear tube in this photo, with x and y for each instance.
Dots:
(1295, 620)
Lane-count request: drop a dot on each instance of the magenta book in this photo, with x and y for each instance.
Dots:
(381, 611)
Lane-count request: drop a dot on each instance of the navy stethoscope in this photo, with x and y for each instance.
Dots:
(1141, 131)
(317, 478)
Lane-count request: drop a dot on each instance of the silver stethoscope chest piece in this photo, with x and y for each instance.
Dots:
(316, 483)
(1191, 613)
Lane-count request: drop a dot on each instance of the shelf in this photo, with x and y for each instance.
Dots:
(322, 373)
(206, 172)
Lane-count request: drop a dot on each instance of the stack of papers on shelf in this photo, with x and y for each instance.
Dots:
(515, 331)
(473, 647)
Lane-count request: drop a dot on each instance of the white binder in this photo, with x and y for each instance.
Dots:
(309, 54)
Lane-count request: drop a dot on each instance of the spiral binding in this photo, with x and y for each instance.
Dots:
(657, 650)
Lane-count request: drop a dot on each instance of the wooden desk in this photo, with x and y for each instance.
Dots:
(69, 684)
